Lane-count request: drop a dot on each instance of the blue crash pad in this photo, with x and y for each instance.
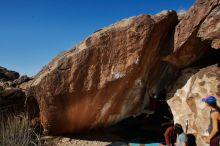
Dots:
(151, 144)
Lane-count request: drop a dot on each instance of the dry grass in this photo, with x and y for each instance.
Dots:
(17, 131)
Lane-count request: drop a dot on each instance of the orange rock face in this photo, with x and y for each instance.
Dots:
(210, 28)
(198, 24)
(104, 78)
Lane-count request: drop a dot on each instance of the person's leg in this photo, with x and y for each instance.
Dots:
(167, 139)
(167, 135)
(215, 141)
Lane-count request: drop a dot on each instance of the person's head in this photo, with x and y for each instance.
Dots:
(210, 101)
(178, 128)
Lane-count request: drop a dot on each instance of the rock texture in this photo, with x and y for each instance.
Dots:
(197, 28)
(104, 79)
(186, 104)
(20, 80)
(196, 36)
(12, 98)
(209, 29)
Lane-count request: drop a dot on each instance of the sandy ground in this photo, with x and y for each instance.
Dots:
(62, 141)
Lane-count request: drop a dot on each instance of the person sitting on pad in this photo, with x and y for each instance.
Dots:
(182, 139)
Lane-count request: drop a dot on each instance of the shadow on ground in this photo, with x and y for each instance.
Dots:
(140, 129)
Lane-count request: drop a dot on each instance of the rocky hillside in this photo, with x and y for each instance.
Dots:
(12, 97)
(113, 73)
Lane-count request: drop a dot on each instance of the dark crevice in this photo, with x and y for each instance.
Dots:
(209, 58)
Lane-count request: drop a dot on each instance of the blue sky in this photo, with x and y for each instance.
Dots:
(32, 32)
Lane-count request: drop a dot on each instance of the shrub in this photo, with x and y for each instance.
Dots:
(15, 130)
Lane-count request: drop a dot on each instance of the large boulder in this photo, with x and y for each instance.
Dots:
(104, 79)
(186, 104)
(197, 27)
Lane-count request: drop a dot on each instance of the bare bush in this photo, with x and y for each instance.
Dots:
(16, 131)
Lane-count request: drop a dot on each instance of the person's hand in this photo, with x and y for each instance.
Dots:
(207, 140)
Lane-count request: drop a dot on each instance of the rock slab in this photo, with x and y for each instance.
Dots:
(104, 78)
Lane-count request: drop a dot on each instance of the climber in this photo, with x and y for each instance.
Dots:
(182, 139)
(214, 126)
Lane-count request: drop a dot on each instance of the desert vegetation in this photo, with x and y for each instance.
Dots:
(16, 130)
